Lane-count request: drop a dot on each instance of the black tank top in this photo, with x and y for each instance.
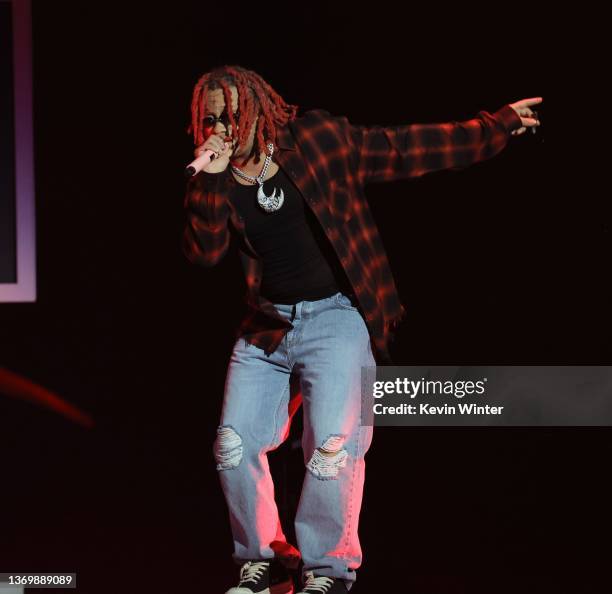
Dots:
(299, 262)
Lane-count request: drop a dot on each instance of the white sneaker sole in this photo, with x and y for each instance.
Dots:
(284, 588)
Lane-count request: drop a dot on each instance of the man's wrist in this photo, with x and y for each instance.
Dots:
(510, 119)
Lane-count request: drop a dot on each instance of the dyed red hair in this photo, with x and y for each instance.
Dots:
(255, 98)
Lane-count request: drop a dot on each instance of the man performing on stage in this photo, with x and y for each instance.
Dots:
(321, 300)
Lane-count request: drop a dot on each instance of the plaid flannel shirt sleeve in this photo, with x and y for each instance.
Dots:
(206, 235)
(399, 152)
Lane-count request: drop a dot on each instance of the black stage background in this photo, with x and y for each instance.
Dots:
(502, 263)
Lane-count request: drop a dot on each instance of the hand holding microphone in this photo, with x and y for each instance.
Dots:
(212, 156)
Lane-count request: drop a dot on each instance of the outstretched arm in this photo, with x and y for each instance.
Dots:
(399, 152)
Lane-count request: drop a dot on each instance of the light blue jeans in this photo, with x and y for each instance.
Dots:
(326, 349)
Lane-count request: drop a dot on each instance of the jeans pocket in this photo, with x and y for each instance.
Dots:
(247, 345)
(345, 302)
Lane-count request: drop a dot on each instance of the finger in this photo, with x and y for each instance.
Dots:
(222, 148)
(212, 145)
(215, 148)
(532, 101)
(209, 147)
(529, 122)
(213, 139)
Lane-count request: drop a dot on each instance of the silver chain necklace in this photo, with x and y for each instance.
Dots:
(268, 203)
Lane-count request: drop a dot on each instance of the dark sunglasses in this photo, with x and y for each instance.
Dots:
(210, 121)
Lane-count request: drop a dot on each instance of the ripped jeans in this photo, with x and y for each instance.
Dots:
(325, 349)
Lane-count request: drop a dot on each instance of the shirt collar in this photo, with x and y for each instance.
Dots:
(284, 139)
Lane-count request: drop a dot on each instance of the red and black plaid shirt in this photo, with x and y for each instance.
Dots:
(330, 161)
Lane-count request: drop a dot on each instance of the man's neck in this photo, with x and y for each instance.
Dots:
(250, 167)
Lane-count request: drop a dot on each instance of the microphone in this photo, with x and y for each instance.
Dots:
(204, 159)
(198, 164)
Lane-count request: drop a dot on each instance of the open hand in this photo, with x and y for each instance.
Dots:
(528, 117)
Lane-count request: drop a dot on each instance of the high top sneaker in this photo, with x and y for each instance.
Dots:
(321, 584)
(263, 577)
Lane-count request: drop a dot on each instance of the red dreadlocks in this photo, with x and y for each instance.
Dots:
(255, 98)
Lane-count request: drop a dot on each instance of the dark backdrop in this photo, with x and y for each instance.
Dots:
(7, 163)
(502, 263)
